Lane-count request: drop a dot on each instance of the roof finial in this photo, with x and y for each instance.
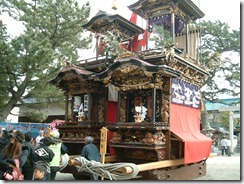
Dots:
(115, 5)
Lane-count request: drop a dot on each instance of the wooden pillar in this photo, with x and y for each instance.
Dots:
(130, 44)
(97, 50)
(153, 104)
(72, 110)
(187, 39)
(173, 27)
(89, 106)
(66, 107)
(118, 106)
(147, 24)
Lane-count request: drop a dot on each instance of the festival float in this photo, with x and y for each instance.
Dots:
(142, 106)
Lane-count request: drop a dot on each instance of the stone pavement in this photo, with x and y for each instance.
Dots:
(223, 168)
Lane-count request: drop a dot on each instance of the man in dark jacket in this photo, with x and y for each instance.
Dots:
(90, 152)
(43, 153)
(27, 168)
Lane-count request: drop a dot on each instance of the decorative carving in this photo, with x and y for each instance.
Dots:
(149, 140)
(101, 109)
(154, 138)
(123, 108)
(116, 138)
(160, 174)
(161, 154)
(170, 54)
(165, 110)
(126, 55)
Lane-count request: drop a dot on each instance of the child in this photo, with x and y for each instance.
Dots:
(40, 170)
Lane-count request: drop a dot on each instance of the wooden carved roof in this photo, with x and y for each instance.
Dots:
(186, 10)
(117, 25)
(133, 73)
(73, 79)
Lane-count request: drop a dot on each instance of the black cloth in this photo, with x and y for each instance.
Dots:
(23, 156)
(43, 153)
(4, 167)
(27, 168)
(30, 159)
(3, 142)
(64, 149)
(54, 170)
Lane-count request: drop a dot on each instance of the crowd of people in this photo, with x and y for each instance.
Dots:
(34, 158)
(24, 157)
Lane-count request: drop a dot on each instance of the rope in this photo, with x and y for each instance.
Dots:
(107, 170)
(64, 161)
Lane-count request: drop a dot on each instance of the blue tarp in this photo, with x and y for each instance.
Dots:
(34, 128)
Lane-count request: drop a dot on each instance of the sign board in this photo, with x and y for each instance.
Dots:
(103, 141)
(186, 94)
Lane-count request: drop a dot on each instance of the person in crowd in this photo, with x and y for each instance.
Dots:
(27, 168)
(4, 140)
(4, 168)
(1, 132)
(91, 152)
(58, 150)
(40, 170)
(223, 144)
(45, 154)
(228, 143)
(39, 137)
(15, 148)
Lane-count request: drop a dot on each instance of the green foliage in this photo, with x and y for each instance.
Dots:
(36, 116)
(225, 118)
(5, 54)
(52, 29)
(112, 46)
(217, 39)
(162, 37)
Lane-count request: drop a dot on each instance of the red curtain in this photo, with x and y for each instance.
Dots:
(111, 117)
(133, 19)
(185, 123)
(143, 41)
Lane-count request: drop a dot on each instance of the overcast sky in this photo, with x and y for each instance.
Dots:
(223, 10)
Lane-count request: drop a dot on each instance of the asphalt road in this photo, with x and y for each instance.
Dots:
(218, 168)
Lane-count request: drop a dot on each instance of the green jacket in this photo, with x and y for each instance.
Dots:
(56, 148)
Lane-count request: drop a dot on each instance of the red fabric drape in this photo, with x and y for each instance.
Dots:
(133, 17)
(135, 39)
(143, 41)
(185, 123)
(111, 117)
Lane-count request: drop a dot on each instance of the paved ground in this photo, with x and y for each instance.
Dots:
(218, 168)
(223, 168)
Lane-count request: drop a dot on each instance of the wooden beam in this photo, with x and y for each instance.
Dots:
(107, 158)
(158, 164)
(141, 167)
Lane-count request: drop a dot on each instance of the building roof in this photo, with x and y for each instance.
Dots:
(149, 9)
(223, 102)
(104, 23)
